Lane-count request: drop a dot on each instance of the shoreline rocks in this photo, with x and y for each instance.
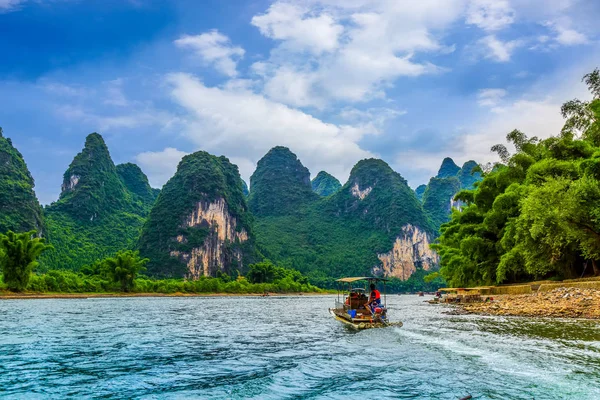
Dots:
(564, 302)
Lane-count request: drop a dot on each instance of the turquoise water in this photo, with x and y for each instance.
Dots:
(285, 348)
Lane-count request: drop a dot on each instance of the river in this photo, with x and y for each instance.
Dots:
(285, 348)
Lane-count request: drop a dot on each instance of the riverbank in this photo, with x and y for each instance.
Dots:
(30, 295)
(562, 302)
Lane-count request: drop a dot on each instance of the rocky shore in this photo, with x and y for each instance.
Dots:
(565, 302)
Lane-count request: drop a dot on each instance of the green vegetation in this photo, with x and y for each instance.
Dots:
(137, 183)
(420, 191)
(124, 267)
(342, 234)
(280, 184)
(439, 193)
(97, 279)
(19, 207)
(100, 211)
(200, 178)
(537, 214)
(18, 257)
(448, 168)
(437, 199)
(325, 184)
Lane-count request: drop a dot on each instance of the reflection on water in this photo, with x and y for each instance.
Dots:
(286, 347)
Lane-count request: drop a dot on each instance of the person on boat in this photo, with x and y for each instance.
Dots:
(374, 299)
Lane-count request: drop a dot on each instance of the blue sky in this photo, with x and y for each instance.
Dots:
(336, 81)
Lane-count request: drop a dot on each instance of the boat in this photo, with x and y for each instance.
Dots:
(350, 306)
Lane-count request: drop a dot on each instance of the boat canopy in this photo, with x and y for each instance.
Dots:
(360, 278)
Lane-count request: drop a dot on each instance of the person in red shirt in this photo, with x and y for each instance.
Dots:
(374, 299)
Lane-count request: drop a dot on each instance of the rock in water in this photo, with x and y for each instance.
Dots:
(280, 184)
(97, 214)
(325, 184)
(20, 210)
(200, 224)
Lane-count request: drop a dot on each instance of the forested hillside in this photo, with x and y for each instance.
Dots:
(100, 211)
(535, 215)
(200, 224)
(345, 233)
(20, 210)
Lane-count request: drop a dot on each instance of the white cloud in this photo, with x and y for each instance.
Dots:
(490, 97)
(160, 166)
(493, 48)
(9, 5)
(244, 126)
(570, 37)
(490, 15)
(299, 29)
(215, 49)
(359, 47)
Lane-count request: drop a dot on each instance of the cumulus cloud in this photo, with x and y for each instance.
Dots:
(490, 15)
(299, 29)
(214, 48)
(491, 47)
(160, 166)
(243, 126)
(359, 47)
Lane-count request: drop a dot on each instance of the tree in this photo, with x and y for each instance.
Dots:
(124, 267)
(18, 257)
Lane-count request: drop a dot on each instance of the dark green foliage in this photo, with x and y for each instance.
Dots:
(61, 281)
(267, 272)
(99, 211)
(325, 184)
(420, 191)
(245, 189)
(18, 257)
(448, 168)
(469, 174)
(537, 216)
(439, 193)
(123, 268)
(137, 183)
(280, 184)
(437, 199)
(92, 189)
(341, 235)
(19, 207)
(200, 178)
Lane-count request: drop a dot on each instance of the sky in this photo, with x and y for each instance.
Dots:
(336, 81)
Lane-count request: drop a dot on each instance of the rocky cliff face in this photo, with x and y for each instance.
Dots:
(200, 224)
(410, 251)
(222, 230)
(20, 210)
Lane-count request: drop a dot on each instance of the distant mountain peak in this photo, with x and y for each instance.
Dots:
(280, 183)
(325, 184)
(448, 168)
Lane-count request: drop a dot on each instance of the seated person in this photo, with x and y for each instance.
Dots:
(374, 299)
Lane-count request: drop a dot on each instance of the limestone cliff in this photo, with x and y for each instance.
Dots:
(200, 224)
(410, 251)
(210, 257)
